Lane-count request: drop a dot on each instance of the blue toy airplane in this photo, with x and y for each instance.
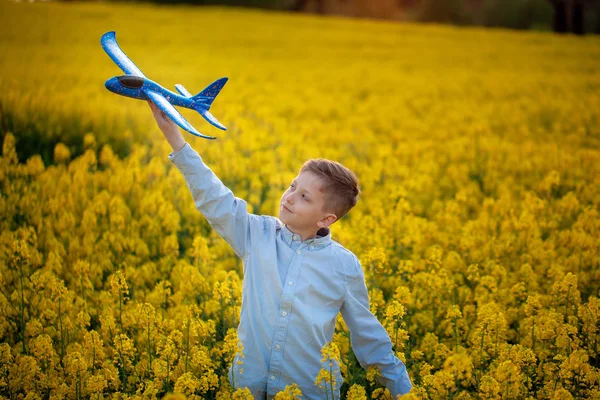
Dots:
(136, 85)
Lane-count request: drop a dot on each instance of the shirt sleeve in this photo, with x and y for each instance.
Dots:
(370, 341)
(227, 214)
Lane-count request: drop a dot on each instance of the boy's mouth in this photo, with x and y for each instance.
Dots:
(287, 209)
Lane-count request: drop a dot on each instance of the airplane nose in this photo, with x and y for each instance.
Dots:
(112, 84)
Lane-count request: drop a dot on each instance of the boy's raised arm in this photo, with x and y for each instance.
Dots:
(227, 214)
(370, 341)
(168, 127)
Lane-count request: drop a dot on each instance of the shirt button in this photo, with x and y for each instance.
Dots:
(290, 283)
(299, 252)
(295, 237)
(272, 377)
(278, 347)
(283, 313)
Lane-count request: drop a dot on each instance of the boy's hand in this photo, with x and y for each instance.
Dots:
(168, 127)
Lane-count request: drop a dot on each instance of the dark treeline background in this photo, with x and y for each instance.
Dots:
(563, 16)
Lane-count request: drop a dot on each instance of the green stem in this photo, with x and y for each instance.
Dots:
(496, 350)
(122, 367)
(22, 308)
(93, 355)
(482, 336)
(149, 350)
(187, 346)
(164, 307)
(60, 329)
(396, 338)
(83, 292)
(455, 333)
(120, 311)
(167, 384)
(533, 335)
(567, 305)
(331, 379)
(233, 372)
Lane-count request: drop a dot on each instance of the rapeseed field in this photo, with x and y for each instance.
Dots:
(478, 227)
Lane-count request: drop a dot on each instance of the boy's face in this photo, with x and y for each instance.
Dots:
(302, 206)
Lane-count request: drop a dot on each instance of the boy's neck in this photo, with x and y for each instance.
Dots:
(307, 234)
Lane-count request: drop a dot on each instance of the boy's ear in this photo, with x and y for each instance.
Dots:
(327, 220)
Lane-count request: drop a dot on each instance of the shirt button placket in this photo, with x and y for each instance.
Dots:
(284, 319)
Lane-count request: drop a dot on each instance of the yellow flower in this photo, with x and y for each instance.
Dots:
(375, 263)
(394, 310)
(489, 388)
(62, 154)
(330, 352)
(125, 352)
(242, 394)
(43, 350)
(89, 141)
(291, 392)
(118, 285)
(461, 367)
(187, 384)
(96, 384)
(175, 396)
(562, 394)
(373, 374)
(403, 295)
(201, 252)
(381, 393)
(327, 378)
(232, 347)
(145, 315)
(208, 381)
(9, 152)
(453, 312)
(532, 305)
(356, 392)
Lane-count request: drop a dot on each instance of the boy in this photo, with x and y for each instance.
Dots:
(296, 278)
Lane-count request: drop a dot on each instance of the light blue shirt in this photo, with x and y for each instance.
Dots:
(291, 294)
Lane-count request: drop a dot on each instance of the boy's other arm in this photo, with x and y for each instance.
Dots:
(370, 341)
(226, 213)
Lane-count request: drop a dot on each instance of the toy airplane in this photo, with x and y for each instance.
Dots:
(136, 85)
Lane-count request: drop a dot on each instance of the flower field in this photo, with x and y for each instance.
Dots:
(478, 227)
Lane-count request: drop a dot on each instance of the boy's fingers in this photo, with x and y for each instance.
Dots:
(152, 106)
(158, 113)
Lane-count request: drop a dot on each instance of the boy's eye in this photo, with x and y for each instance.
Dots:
(304, 197)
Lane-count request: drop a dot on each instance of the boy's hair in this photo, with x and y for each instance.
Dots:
(340, 184)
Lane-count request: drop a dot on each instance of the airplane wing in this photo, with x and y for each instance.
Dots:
(172, 112)
(182, 91)
(110, 45)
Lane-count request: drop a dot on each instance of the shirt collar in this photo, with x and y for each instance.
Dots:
(323, 238)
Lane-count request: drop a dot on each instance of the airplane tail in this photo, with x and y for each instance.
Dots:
(204, 99)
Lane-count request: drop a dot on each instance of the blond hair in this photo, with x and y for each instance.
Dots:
(340, 185)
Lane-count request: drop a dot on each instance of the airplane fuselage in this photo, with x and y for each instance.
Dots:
(134, 87)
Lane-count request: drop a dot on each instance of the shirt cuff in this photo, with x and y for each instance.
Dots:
(174, 153)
